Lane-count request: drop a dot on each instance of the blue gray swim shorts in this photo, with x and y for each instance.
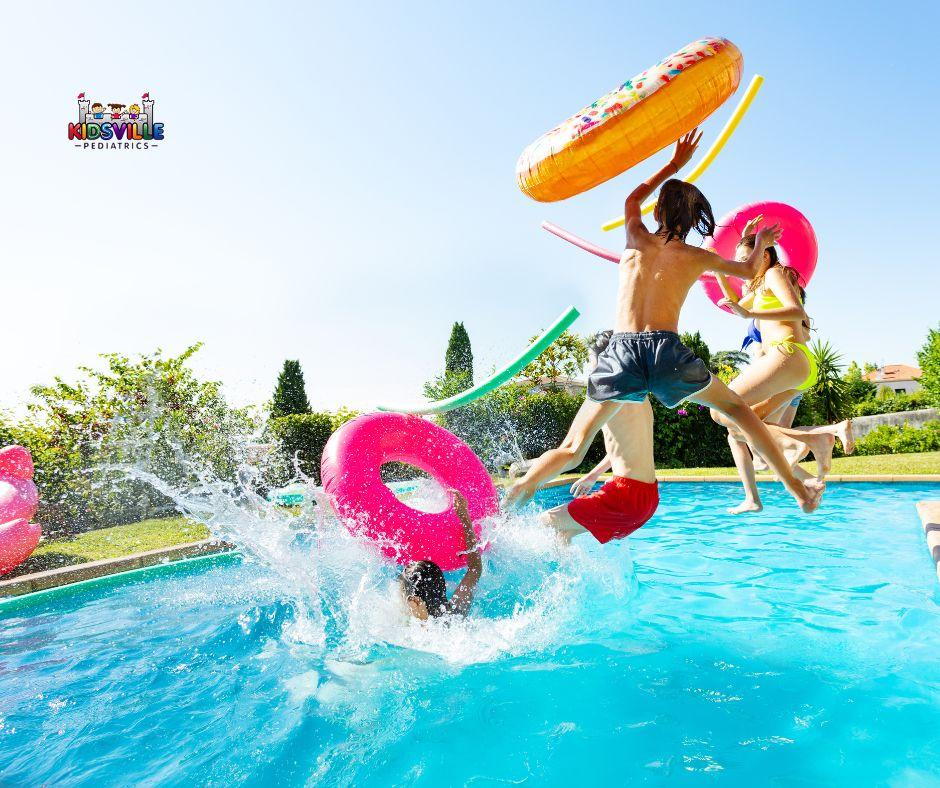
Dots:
(648, 362)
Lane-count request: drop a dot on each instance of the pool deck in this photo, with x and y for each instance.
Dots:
(929, 512)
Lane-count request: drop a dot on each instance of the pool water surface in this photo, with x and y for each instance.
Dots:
(768, 649)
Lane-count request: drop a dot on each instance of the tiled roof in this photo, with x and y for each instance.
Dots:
(893, 372)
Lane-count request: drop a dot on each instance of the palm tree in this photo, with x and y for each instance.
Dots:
(735, 359)
(829, 392)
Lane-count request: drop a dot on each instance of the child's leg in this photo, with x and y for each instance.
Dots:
(566, 527)
(843, 431)
(722, 399)
(589, 420)
(745, 465)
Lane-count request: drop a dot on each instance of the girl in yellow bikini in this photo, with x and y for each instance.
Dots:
(786, 368)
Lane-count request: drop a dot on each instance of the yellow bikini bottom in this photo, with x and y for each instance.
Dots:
(789, 346)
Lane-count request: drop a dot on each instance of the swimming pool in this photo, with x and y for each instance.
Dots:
(708, 649)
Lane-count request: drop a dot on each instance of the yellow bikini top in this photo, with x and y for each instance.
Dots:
(761, 302)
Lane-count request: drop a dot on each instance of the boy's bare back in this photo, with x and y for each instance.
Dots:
(655, 279)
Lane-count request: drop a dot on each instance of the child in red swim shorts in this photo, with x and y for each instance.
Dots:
(627, 501)
(614, 511)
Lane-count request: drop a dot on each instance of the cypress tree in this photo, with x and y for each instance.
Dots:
(459, 357)
(290, 394)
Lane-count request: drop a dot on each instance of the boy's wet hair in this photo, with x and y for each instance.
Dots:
(599, 342)
(425, 580)
(681, 207)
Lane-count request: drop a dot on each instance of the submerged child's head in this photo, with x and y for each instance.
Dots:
(681, 208)
(424, 589)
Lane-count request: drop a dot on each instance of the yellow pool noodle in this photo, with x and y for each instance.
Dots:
(740, 111)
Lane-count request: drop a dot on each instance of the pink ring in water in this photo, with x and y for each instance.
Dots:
(350, 469)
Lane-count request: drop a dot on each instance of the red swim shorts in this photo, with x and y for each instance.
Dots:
(617, 509)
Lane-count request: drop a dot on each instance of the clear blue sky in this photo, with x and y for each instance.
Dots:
(337, 182)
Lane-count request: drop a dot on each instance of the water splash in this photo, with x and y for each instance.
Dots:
(533, 595)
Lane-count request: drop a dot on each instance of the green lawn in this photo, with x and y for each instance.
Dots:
(111, 543)
(876, 464)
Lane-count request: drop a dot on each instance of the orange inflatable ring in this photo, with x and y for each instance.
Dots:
(631, 123)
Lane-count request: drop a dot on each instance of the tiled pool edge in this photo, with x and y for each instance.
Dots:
(929, 512)
(78, 573)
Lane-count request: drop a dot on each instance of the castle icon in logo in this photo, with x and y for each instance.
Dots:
(115, 124)
(138, 113)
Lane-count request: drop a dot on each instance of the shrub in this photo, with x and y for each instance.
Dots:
(688, 438)
(900, 440)
(300, 438)
(894, 403)
(857, 389)
(929, 359)
(515, 421)
(564, 358)
(150, 412)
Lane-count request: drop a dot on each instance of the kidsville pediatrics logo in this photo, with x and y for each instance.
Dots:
(113, 126)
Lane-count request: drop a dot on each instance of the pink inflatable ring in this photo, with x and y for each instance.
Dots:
(18, 502)
(797, 245)
(350, 469)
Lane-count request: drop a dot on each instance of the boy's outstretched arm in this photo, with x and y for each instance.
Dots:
(749, 229)
(768, 236)
(462, 599)
(586, 483)
(683, 152)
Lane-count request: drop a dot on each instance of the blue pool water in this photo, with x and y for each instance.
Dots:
(706, 649)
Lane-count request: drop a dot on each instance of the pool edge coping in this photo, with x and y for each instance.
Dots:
(51, 579)
(929, 512)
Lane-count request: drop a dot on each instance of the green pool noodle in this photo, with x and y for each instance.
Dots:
(494, 381)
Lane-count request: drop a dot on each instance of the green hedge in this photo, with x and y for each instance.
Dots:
(688, 438)
(514, 421)
(894, 403)
(900, 440)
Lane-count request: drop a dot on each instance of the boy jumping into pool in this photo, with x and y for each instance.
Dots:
(629, 499)
(645, 355)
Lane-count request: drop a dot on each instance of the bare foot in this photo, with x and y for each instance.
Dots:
(846, 435)
(814, 489)
(519, 495)
(746, 506)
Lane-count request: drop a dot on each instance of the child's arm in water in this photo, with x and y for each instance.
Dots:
(462, 599)
(632, 209)
(586, 483)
